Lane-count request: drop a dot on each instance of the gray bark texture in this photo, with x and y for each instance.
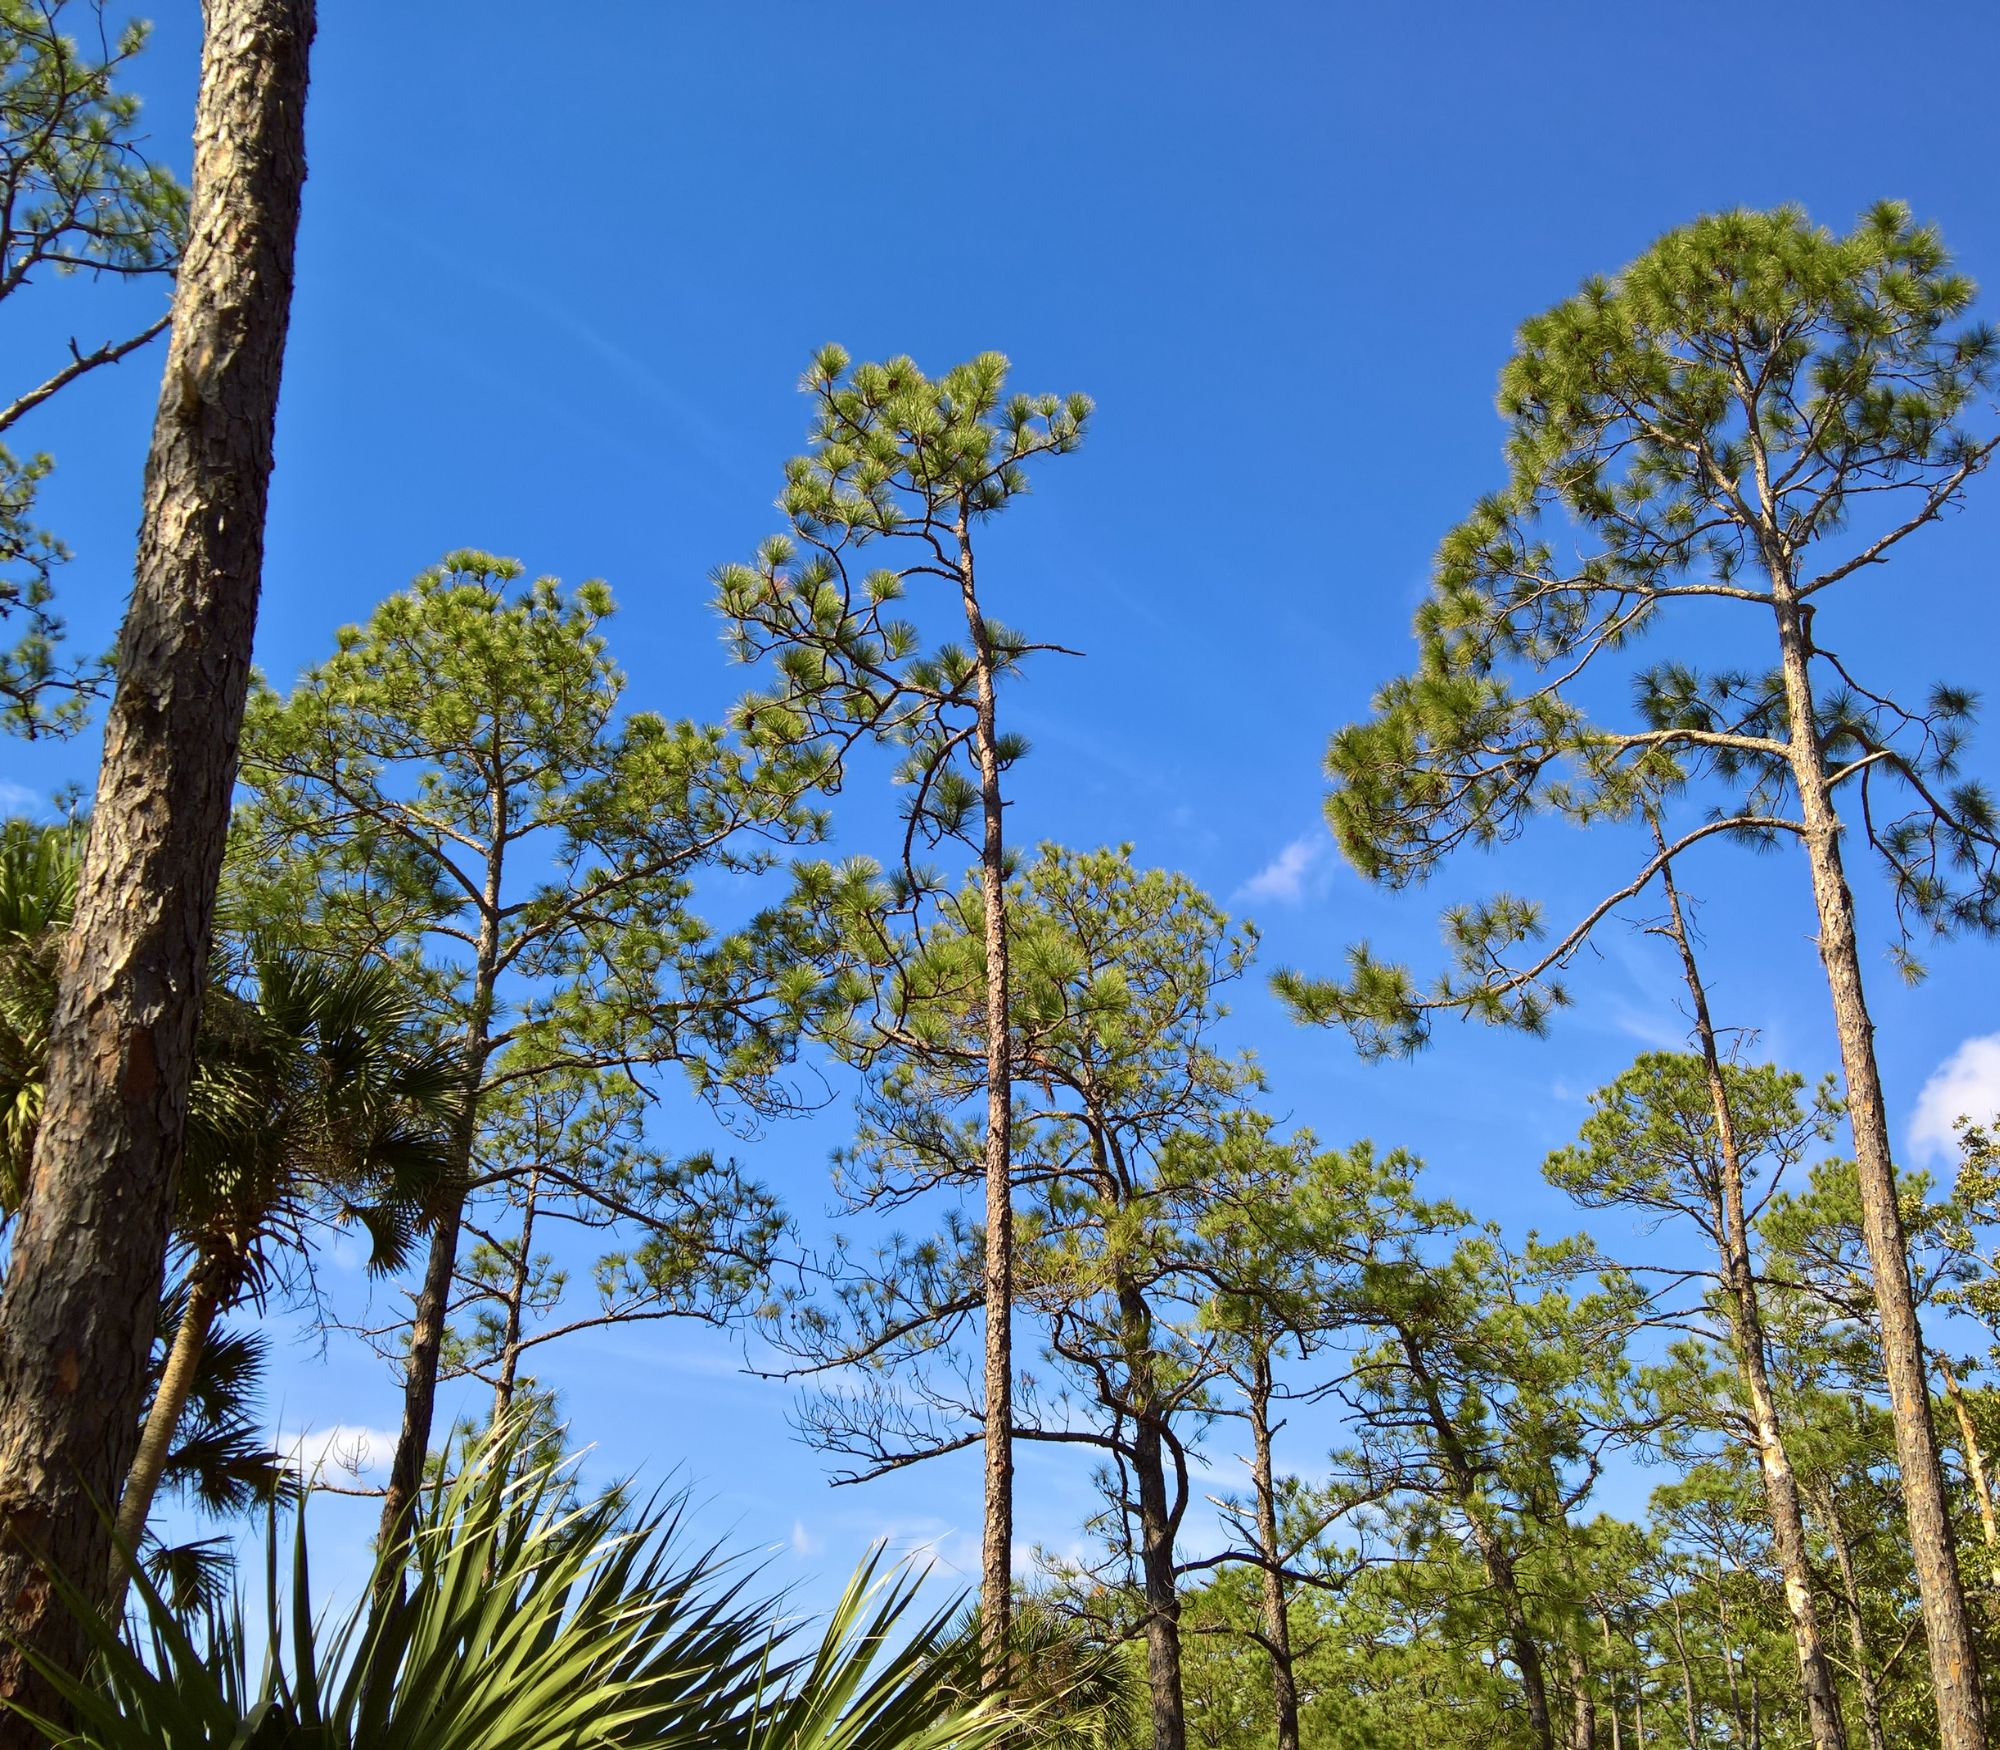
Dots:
(83, 1286)
(1927, 1508)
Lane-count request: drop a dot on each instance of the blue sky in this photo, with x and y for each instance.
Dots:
(561, 268)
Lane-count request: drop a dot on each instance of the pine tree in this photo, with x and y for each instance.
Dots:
(1746, 422)
(81, 198)
(84, 1278)
(905, 470)
(1684, 1136)
(456, 790)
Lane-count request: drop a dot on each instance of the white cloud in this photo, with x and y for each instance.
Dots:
(18, 798)
(1965, 1085)
(803, 1541)
(1284, 877)
(343, 1447)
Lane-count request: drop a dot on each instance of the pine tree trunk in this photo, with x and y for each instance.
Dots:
(1975, 1468)
(156, 1439)
(1163, 1609)
(1611, 1682)
(76, 1322)
(420, 1375)
(1692, 1704)
(1277, 1634)
(1729, 1661)
(1857, 1627)
(1158, 1522)
(1494, 1555)
(996, 1568)
(1781, 1491)
(1954, 1669)
(517, 1295)
(1582, 1704)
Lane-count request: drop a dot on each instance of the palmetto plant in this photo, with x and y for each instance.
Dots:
(1078, 1689)
(38, 870)
(531, 1623)
(324, 1101)
(314, 1097)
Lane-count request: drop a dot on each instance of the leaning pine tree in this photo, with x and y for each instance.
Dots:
(83, 1280)
(903, 471)
(1746, 422)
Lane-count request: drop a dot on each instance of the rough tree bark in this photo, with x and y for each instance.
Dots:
(996, 1567)
(1954, 1669)
(1746, 1318)
(83, 1286)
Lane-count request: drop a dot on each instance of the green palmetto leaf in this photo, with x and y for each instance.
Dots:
(527, 1623)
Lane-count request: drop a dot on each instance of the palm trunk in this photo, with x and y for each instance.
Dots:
(76, 1322)
(1781, 1490)
(156, 1439)
(1961, 1706)
(996, 1569)
(1277, 1633)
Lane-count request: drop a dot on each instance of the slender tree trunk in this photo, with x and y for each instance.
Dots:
(156, 1439)
(420, 1374)
(1693, 1706)
(1857, 1627)
(996, 1568)
(1975, 1468)
(1277, 1635)
(83, 1284)
(1729, 1669)
(1954, 1669)
(1582, 1704)
(420, 1377)
(517, 1295)
(1158, 1523)
(1494, 1555)
(1746, 1318)
(1611, 1683)
(1163, 1608)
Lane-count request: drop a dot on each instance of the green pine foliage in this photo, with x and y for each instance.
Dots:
(82, 199)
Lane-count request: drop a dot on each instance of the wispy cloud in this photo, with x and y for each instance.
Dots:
(804, 1543)
(1284, 878)
(18, 798)
(1965, 1085)
(342, 1447)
